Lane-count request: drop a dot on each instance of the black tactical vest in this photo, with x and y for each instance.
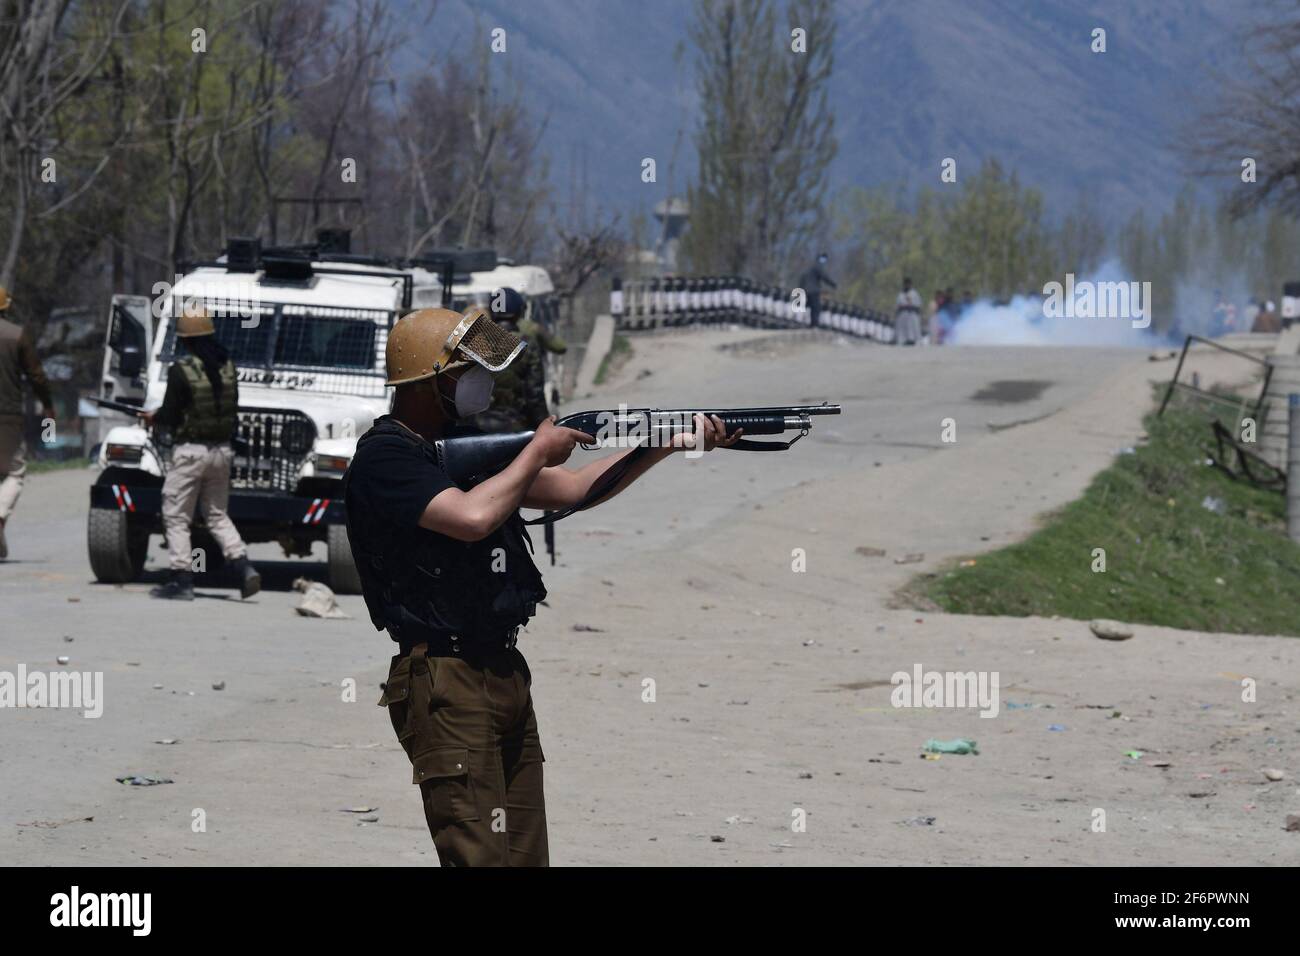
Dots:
(418, 584)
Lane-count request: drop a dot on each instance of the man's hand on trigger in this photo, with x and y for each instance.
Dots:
(556, 443)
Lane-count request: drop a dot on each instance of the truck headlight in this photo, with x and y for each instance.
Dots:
(332, 464)
(117, 454)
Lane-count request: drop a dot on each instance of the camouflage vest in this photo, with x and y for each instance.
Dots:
(203, 422)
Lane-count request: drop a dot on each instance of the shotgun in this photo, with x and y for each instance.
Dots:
(469, 459)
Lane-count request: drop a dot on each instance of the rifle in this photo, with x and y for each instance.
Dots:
(238, 445)
(135, 410)
(470, 459)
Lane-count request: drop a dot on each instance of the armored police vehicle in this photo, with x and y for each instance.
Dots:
(306, 327)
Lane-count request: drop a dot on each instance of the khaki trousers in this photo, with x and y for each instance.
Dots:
(11, 482)
(198, 474)
(471, 735)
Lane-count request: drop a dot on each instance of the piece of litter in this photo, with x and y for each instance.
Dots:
(587, 628)
(1135, 754)
(358, 810)
(910, 559)
(317, 601)
(166, 740)
(717, 839)
(960, 745)
(1210, 503)
(219, 685)
(870, 552)
(139, 780)
(919, 822)
(1055, 726)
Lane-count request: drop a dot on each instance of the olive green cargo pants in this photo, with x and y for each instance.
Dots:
(471, 735)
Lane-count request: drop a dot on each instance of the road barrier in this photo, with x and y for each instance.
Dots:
(675, 301)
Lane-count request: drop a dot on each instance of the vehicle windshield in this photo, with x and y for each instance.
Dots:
(297, 337)
(245, 337)
(319, 348)
(329, 342)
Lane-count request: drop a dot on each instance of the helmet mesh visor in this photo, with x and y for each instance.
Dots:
(490, 345)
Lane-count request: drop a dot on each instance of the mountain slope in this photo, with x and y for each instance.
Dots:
(914, 82)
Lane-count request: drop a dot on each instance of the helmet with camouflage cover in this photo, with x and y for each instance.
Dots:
(430, 341)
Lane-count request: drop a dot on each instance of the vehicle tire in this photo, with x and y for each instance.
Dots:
(343, 574)
(117, 551)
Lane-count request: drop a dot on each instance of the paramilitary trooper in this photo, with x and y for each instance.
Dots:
(447, 572)
(201, 407)
(519, 396)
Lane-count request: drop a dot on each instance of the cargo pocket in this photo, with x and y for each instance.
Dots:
(396, 697)
(445, 782)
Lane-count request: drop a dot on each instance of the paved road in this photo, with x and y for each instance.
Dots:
(275, 758)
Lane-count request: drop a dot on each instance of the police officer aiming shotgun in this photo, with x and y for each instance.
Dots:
(447, 571)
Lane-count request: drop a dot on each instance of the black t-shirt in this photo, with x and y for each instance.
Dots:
(428, 584)
(391, 483)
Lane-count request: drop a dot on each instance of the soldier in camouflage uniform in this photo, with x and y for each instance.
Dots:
(519, 398)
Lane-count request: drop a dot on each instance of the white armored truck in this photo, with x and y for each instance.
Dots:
(306, 327)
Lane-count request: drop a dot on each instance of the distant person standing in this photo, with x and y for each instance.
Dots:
(934, 325)
(18, 361)
(907, 315)
(812, 281)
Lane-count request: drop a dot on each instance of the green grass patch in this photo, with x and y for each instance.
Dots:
(620, 350)
(1169, 560)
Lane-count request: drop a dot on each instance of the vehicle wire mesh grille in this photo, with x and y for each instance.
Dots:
(270, 449)
(296, 347)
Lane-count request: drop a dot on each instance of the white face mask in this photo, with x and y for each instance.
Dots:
(473, 393)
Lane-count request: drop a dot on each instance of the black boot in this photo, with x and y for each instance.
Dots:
(179, 587)
(250, 582)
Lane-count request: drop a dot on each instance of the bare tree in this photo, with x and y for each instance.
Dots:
(475, 170)
(583, 254)
(41, 67)
(1255, 124)
(766, 135)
